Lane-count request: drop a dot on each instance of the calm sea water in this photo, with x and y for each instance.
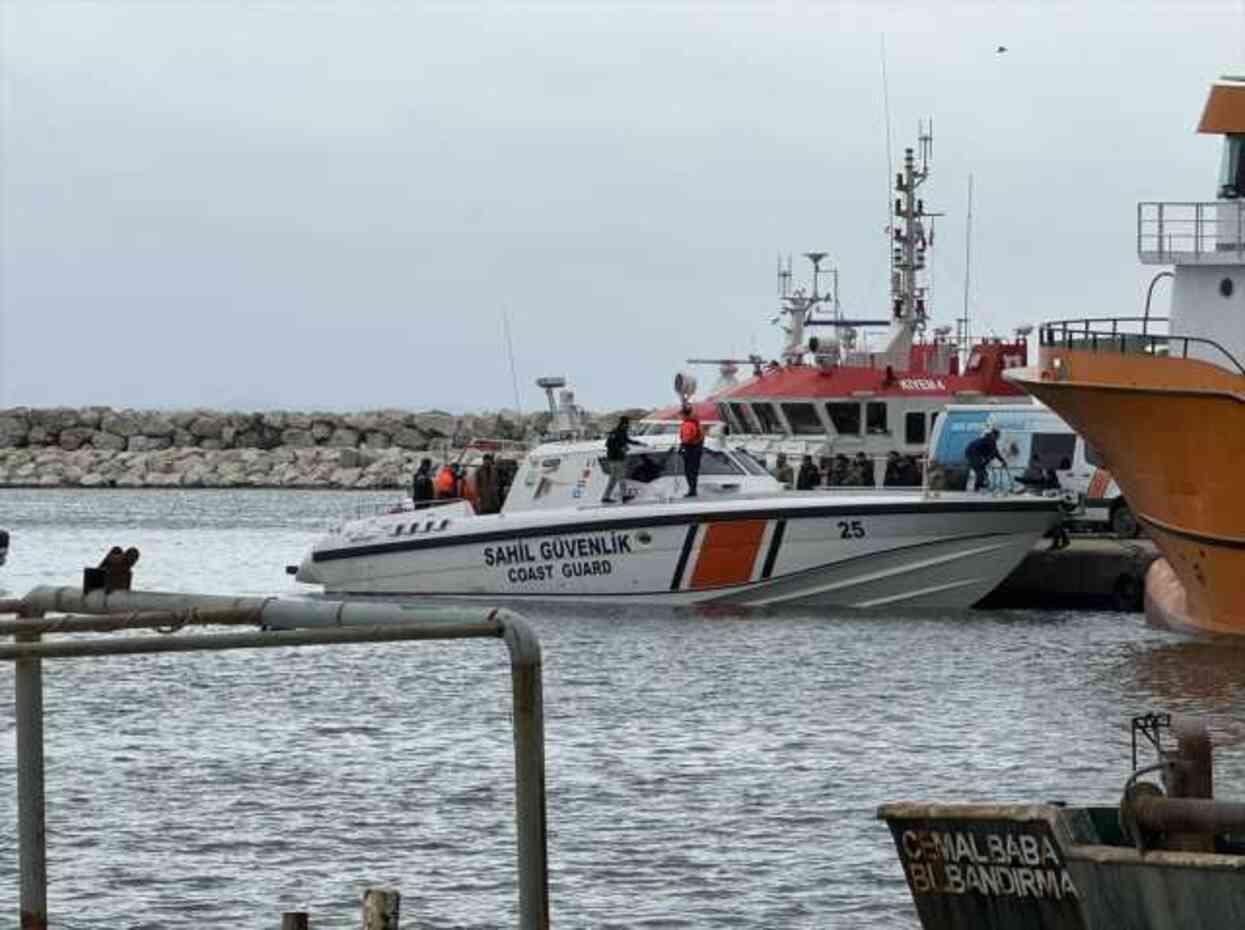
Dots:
(703, 771)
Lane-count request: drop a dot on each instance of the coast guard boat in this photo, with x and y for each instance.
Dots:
(743, 541)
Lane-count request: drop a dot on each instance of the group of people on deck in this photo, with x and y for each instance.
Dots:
(485, 486)
(842, 471)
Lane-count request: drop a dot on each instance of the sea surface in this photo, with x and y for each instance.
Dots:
(704, 771)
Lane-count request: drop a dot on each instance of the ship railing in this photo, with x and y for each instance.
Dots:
(1120, 334)
(1191, 232)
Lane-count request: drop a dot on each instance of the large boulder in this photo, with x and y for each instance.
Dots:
(298, 438)
(75, 437)
(206, 426)
(321, 430)
(343, 437)
(148, 443)
(121, 423)
(102, 439)
(155, 424)
(14, 430)
(436, 424)
(408, 438)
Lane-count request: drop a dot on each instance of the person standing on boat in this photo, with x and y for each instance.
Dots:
(980, 453)
(691, 445)
(446, 483)
(616, 443)
(421, 485)
(808, 477)
(488, 496)
(783, 471)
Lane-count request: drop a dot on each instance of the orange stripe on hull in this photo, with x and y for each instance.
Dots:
(728, 553)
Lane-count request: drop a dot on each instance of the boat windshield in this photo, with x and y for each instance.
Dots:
(645, 467)
(749, 462)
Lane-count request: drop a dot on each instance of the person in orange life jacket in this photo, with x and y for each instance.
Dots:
(691, 445)
(446, 483)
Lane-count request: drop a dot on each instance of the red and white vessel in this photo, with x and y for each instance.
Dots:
(832, 393)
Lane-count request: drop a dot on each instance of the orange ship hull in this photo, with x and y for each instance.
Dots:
(1172, 431)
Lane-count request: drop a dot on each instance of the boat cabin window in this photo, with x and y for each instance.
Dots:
(845, 417)
(768, 418)
(1232, 168)
(875, 416)
(728, 417)
(914, 428)
(1052, 450)
(933, 418)
(803, 419)
(746, 422)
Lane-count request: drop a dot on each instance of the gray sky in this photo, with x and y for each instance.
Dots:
(330, 206)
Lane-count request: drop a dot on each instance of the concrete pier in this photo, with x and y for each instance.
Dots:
(1092, 571)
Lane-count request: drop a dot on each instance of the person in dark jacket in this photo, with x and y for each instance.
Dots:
(808, 477)
(980, 453)
(488, 486)
(421, 485)
(616, 443)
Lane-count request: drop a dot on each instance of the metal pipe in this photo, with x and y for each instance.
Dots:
(31, 815)
(378, 622)
(166, 620)
(1187, 815)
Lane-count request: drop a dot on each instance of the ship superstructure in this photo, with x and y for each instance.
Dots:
(1163, 401)
(834, 394)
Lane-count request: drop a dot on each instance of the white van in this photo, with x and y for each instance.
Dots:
(1042, 452)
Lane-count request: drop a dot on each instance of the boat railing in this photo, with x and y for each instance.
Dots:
(1119, 334)
(1191, 232)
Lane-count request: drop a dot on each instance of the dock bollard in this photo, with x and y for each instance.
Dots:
(380, 909)
(295, 920)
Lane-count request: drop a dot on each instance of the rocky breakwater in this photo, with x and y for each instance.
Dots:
(103, 447)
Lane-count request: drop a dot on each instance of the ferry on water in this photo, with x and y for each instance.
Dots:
(832, 396)
(743, 540)
(1166, 410)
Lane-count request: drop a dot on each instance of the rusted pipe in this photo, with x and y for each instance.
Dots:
(1186, 815)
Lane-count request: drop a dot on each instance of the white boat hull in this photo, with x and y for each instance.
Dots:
(791, 550)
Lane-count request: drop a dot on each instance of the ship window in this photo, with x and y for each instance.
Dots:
(933, 418)
(845, 417)
(712, 462)
(1052, 450)
(914, 428)
(1226, 287)
(803, 419)
(728, 416)
(768, 418)
(746, 422)
(750, 464)
(875, 416)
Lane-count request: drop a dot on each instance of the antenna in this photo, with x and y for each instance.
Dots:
(514, 377)
(886, 116)
(965, 337)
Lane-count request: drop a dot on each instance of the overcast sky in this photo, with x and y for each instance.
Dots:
(332, 206)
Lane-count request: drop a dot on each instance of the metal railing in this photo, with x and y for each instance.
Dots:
(284, 623)
(1191, 231)
(1113, 334)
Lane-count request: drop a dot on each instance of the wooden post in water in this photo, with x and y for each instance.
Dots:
(295, 920)
(380, 909)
